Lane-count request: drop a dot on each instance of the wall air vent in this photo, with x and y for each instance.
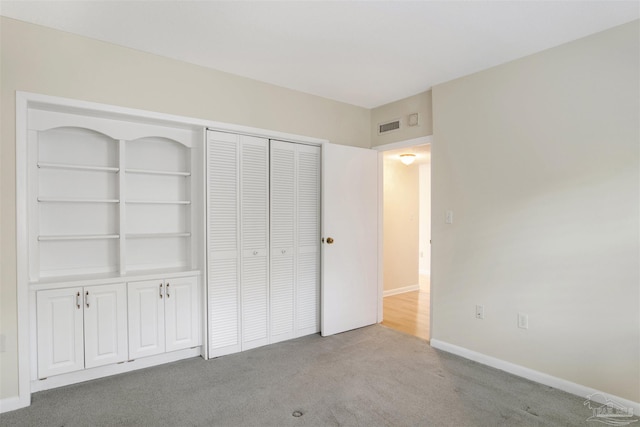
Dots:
(388, 127)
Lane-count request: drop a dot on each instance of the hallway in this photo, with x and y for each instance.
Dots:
(409, 312)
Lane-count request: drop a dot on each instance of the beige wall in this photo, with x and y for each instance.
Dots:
(420, 103)
(400, 211)
(539, 160)
(50, 62)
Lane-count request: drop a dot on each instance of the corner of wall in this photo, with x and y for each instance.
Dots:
(401, 109)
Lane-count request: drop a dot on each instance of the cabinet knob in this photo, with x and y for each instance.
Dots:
(329, 240)
(284, 251)
(160, 290)
(167, 290)
(255, 252)
(78, 299)
(86, 299)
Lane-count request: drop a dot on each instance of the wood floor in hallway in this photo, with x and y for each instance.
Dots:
(408, 312)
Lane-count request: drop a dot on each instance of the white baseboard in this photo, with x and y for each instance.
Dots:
(108, 370)
(13, 403)
(533, 375)
(402, 290)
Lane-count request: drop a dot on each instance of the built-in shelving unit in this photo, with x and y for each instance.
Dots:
(74, 213)
(157, 199)
(105, 199)
(112, 222)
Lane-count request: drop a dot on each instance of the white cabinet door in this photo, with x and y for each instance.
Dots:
(59, 323)
(350, 218)
(146, 318)
(182, 314)
(105, 324)
(254, 237)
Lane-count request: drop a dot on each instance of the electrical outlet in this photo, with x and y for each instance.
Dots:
(448, 217)
(480, 312)
(523, 321)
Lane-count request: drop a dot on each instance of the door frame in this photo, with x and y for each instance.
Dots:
(423, 140)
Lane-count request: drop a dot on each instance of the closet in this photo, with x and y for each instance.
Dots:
(263, 242)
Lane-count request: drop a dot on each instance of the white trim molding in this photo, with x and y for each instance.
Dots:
(536, 376)
(423, 140)
(401, 290)
(22, 268)
(12, 403)
(115, 369)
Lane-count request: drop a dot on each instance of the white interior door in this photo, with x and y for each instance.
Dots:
(223, 271)
(308, 247)
(350, 220)
(282, 241)
(254, 238)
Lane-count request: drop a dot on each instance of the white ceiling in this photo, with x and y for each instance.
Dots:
(366, 53)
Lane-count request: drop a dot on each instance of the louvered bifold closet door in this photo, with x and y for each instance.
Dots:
(307, 305)
(223, 246)
(295, 240)
(283, 225)
(254, 232)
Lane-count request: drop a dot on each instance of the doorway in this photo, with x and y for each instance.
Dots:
(406, 231)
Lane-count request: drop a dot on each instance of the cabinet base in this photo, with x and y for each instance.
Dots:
(119, 368)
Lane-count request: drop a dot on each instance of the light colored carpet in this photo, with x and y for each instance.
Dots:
(373, 376)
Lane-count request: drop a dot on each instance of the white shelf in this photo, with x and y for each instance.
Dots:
(159, 202)
(103, 278)
(157, 172)
(78, 237)
(155, 235)
(75, 200)
(44, 165)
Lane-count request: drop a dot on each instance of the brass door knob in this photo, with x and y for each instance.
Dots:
(329, 240)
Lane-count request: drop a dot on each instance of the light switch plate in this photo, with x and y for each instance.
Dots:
(523, 321)
(448, 217)
(480, 312)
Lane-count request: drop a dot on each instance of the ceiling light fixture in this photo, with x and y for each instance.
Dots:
(407, 159)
